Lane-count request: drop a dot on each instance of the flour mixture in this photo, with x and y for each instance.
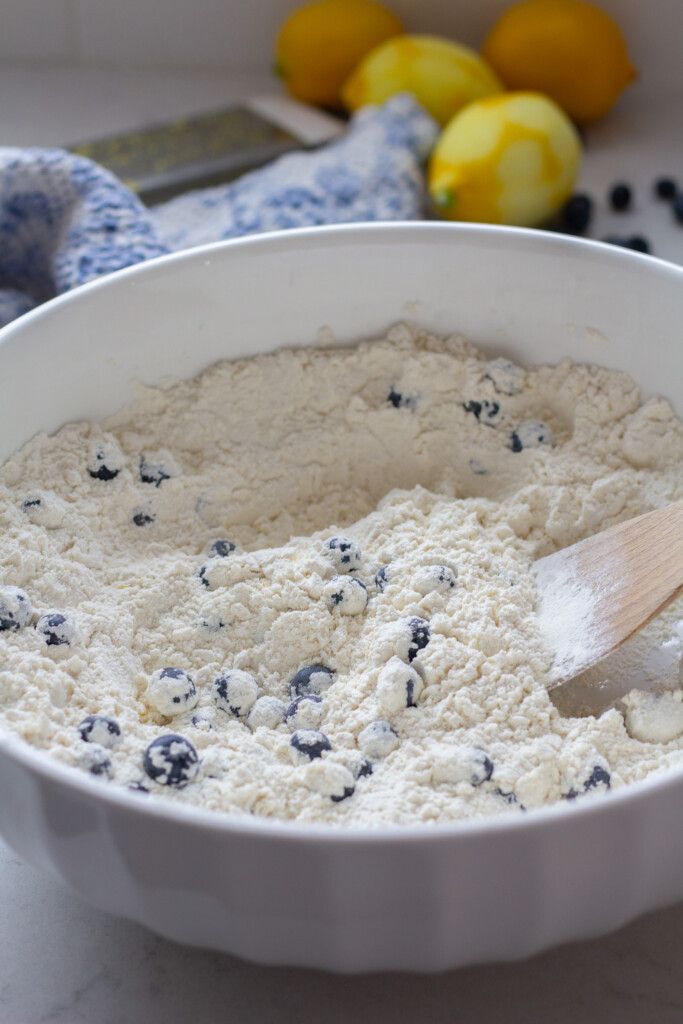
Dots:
(299, 586)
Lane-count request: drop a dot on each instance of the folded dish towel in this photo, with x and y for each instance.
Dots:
(64, 220)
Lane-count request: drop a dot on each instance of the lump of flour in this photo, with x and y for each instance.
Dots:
(299, 586)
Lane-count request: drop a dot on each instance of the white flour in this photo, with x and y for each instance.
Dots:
(448, 473)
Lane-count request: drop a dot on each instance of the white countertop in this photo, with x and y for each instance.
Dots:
(63, 963)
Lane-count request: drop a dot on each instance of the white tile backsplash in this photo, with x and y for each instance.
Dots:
(35, 30)
(234, 36)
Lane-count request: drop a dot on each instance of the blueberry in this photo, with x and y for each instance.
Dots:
(96, 760)
(31, 503)
(105, 461)
(268, 712)
(311, 679)
(142, 517)
(597, 778)
(203, 577)
(463, 764)
(171, 691)
(665, 188)
(507, 797)
(307, 744)
(488, 413)
(398, 686)
(507, 379)
(420, 635)
(382, 578)
(620, 197)
(100, 729)
(45, 510)
(15, 608)
(530, 434)
(400, 401)
(235, 692)
(576, 214)
(220, 549)
(57, 629)
(477, 467)
(345, 554)
(638, 243)
(305, 712)
(344, 795)
(171, 760)
(154, 472)
(328, 778)
(378, 739)
(434, 577)
(346, 593)
(678, 207)
(363, 768)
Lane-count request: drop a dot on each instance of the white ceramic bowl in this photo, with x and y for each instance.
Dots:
(415, 898)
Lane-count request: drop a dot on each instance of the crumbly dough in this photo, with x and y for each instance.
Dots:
(371, 512)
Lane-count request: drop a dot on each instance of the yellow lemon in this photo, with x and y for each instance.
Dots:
(319, 46)
(444, 76)
(569, 50)
(507, 159)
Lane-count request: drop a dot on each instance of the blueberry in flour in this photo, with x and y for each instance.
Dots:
(15, 608)
(268, 712)
(305, 712)
(235, 692)
(95, 759)
(401, 401)
(463, 764)
(363, 768)
(507, 379)
(171, 691)
(307, 744)
(105, 461)
(345, 554)
(100, 729)
(347, 594)
(398, 686)
(420, 635)
(599, 777)
(220, 549)
(530, 434)
(488, 413)
(141, 517)
(154, 472)
(311, 679)
(171, 760)
(378, 739)
(57, 629)
(430, 578)
(382, 578)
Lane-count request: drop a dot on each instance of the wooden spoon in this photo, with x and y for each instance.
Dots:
(599, 592)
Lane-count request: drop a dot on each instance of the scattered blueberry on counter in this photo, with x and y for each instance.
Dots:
(15, 608)
(665, 188)
(171, 691)
(57, 629)
(620, 197)
(305, 712)
(530, 434)
(311, 679)
(220, 548)
(171, 760)
(100, 729)
(235, 692)
(268, 712)
(488, 413)
(678, 207)
(105, 462)
(345, 554)
(346, 593)
(378, 739)
(575, 215)
(307, 744)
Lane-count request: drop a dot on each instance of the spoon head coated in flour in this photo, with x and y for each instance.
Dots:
(595, 594)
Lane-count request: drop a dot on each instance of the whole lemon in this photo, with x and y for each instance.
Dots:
(443, 75)
(569, 50)
(320, 44)
(507, 159)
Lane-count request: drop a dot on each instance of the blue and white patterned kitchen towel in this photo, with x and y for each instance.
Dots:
(64, 220)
